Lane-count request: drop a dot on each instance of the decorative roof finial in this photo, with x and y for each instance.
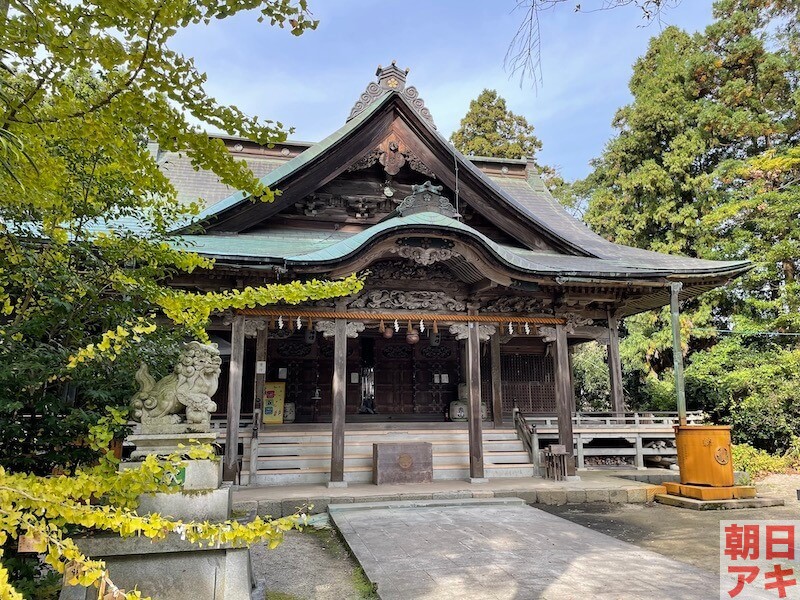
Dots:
(391, 79)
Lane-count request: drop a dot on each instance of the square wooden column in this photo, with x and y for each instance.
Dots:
(565, 396)
(497, 381)
(474, 407)
(615, 365)
(230, 464)
(338, 403)
(258, 398)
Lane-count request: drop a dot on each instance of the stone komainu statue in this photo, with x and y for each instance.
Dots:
(189, 388)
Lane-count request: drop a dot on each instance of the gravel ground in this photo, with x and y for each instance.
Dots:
(690, 536)
(312, 565)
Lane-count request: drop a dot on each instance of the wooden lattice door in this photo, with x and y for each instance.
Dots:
(528, 383)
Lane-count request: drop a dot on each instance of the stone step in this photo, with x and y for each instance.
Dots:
(384, 436)
(308, 448)
(365, 460)
(364, 474)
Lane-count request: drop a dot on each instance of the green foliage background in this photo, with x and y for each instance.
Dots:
(706, 162)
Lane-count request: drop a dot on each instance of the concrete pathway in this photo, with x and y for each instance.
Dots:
(503, 549)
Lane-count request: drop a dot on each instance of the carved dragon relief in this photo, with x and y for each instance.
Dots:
(574, 320)
(415, 300)
(514, 304)
(392, 270)
(424, 256)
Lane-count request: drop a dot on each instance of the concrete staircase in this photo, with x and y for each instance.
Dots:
(296, 456)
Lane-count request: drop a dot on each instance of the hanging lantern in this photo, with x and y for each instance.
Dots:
(388, 332)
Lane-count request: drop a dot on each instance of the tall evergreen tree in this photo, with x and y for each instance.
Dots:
(490, 129)
(706, 163)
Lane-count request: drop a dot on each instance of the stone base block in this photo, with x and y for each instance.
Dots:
(196, 475)
(166, 443)
(477, 480)
(214, 505)
(169, 569)
(694, 504)
(410, 462)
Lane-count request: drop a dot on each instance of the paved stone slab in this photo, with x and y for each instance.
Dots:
(480, 550)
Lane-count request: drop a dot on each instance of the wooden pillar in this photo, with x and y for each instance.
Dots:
(677, 349)
(258, 398)
(565, 396)
(615, 365)
(230, 465)
(474, 412)
(338, 403)
(497, 381)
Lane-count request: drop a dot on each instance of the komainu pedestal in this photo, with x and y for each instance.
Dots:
(175, 412)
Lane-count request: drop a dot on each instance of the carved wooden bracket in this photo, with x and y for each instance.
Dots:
(328, 328)
(574, 320)
(461, 331)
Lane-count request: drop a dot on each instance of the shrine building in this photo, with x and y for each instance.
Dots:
(478, 284)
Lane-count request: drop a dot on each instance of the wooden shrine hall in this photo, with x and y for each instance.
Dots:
(477, 284)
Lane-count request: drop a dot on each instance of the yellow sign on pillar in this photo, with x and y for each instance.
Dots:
(274, 396)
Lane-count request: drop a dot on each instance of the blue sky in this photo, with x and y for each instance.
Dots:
(454, 50)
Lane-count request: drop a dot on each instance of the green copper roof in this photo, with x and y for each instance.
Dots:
(262, 245)
(273, 178)
(515, 258)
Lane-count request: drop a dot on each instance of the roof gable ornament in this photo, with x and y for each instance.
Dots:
(391, 79)
(427, 198)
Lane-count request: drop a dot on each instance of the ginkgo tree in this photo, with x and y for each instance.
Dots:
(87, 249)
